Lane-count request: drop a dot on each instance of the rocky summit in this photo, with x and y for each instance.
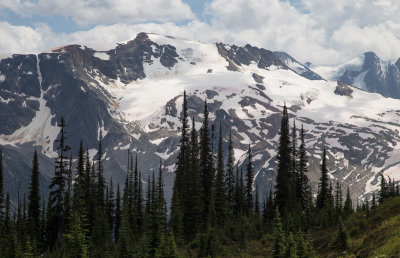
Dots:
(130, 96)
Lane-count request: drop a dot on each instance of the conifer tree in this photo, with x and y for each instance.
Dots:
(384, 192)
(323, 195)
(230, 178)
(284, 179)
(75, 244)
(221, 208)
(118, 214)
(249, 181)
(193, 197)
(373, 204)
(340, 240)
(167, 248)
(303, 183)
(348, 206)
(279, 247)
(57, 191)
(34, 202)
(206, 162)
(291, 247)
(338, 200)
(180, 188)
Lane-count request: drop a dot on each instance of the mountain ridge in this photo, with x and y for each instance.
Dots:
(131, 97)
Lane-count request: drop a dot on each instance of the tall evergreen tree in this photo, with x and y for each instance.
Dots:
(338, 200)
(230, 178)
(57, 190)
(279, 247)
(284, 179)
(384, 192)
(193, 198)
(206, 162)
(118, 214)
(221, 207)
(34, 202)
(303, 183)
(323, 195)
(178, 204)
(249, 181)
(348, 206)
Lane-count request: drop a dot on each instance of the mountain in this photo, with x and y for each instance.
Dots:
(130, 96)
(296, 66)
(367, 72)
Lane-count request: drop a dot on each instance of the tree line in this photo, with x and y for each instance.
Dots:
(215, 203)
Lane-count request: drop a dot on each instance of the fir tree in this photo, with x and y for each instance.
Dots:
(167, 248)
(338, 200)
(291, 247)
(75, 244)
(373, 204)
(118, 214)
(230, 178)
(34, 202)
(284, 179)
(340, 240)
(249, 181)
(348, 206)
(206, 162)
(193, 199)
(279, 247)
(221, 208)
(323, 195)
(384, 192)
(57, 191)
(303, 183)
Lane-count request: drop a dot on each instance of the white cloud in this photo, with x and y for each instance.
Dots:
(91, 12)
(19, 39)
(322, 32)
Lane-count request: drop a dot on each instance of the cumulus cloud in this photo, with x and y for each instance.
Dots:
(322, 32)
(92, 12)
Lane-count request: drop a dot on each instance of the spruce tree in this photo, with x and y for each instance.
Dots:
(338, 200)
(118, 214)
(323, 195)
(57, 190)
(284, 179)
(230, 178)
(303, 182)
(249, 181)
(348, 206)
(34, 202)
(279, 247)
(206, 163)
(340, 240)
(180, 188)
(373, 204)
(384, 192)
(221, 207)
(193, 201)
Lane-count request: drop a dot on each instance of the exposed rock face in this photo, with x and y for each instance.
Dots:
(375, 75)
(343, 89)
(300, 69)
(245, 88)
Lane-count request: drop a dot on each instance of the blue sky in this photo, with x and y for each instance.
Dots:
(323, 32)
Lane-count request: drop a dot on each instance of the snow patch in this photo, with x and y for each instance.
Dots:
(102, 55)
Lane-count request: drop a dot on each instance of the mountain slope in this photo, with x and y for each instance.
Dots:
(367, 72)
(131, 97)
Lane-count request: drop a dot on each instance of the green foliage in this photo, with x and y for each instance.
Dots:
(279, 248)
(340, 241)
